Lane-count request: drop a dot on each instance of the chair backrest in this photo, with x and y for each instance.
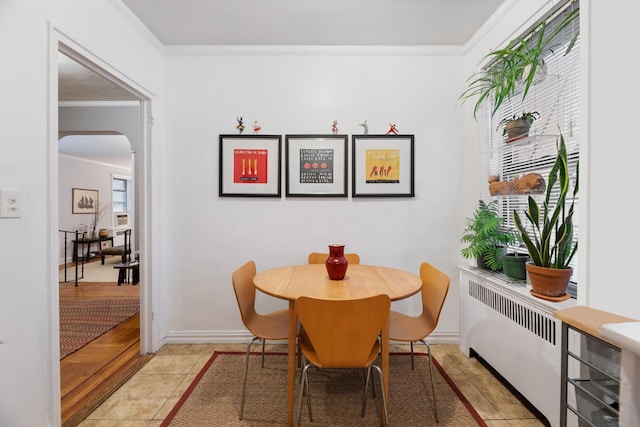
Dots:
(321, 258)
(343, 332)
(245, 291)
(435, 286)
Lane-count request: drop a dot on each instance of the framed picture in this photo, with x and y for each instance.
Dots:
(250, 165)
(316, 165)
(84, 201)
(382, 166)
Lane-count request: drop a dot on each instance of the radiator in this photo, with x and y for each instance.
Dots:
(515, 333)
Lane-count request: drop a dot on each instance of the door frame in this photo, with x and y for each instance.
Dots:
(58, 42)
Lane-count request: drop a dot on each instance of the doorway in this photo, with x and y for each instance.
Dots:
(89, 99)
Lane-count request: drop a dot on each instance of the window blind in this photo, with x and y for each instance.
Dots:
(556, 97)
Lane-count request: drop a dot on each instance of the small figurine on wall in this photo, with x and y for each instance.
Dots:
(392, 129)
(366, 128)
(256, 127)
(334, 127)
(240, 126)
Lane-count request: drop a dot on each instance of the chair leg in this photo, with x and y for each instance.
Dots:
(366, 386)
(412, 365)
(304, 381)
(384, 396)
(433, 390)
(246, 370)
(263, 343)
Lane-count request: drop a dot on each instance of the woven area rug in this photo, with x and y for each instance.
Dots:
(83, 320)
(213, 398)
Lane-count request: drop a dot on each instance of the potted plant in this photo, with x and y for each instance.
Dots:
(514, 67)
(486, 236)
(517, 126)
(549, 239)
(514, 260)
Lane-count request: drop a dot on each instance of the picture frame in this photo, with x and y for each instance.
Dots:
(383, 166)
(316, 165)
(84, 201)
(250, 165)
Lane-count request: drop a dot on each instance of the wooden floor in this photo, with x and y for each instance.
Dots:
(89, 375)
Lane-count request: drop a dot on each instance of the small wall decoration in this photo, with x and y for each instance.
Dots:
(365, 127)
(256, 127)
(316, 165)
(250, 165)
(240, 125)
(334, 127)
(383, 166)
(84, 201)
(392, 129)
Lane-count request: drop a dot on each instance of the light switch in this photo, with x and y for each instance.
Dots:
(10, 204)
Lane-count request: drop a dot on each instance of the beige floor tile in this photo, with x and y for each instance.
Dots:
(113, 423)
(149, 386)
(178, 364)
(128, 409)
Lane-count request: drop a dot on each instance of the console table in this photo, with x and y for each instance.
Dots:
(88, 242)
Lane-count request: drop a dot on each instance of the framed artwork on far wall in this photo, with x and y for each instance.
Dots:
(250, 165)
(84, 201)
(383, 166)
(316, 165)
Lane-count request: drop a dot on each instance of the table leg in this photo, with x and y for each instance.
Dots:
(385, 362)
(291, 363)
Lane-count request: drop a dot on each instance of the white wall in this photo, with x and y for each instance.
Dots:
(29, 377)
(302, 91)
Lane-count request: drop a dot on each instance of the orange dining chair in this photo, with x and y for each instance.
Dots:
(321, 258)
(270, 326)
(341, 334)
(435, 285)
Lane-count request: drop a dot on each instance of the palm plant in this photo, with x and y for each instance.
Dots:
(486, 235)
(549, 240)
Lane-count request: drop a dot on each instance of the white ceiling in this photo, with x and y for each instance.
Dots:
(313, 22)
(272, 22)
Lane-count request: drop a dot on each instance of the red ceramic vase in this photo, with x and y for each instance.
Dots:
(336, 262)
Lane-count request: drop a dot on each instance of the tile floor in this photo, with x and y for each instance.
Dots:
(147, 398)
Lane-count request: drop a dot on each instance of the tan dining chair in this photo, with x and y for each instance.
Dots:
(338, 334)
(269, 326)
(321, 258)
(435, 285)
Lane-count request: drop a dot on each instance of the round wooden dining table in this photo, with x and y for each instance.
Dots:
(312, 280)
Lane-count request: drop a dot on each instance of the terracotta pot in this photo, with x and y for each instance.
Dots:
(549, 282)
(517, 129)
(336, 262)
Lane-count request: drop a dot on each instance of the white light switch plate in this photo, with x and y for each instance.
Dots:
(10, 204)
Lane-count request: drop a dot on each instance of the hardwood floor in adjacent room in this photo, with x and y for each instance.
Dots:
(89, 375)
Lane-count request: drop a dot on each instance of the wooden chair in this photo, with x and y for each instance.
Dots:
(320, 258)
(341, 334)
(270, 326)
(435, 285)
(123, 251)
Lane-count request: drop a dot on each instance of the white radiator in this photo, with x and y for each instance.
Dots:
(515, 333)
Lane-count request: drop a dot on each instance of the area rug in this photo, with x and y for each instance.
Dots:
(213, 398)
(83, 320)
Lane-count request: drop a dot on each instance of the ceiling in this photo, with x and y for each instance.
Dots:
(274, 22)
(313, 22)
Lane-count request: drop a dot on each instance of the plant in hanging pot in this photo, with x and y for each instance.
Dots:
(549, 239)
(487, 236)
(517, 126)
(516, 67)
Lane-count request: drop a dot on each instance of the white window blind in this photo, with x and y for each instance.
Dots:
(556, 98)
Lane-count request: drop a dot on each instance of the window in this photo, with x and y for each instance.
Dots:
(556, 97)
(120, 200)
